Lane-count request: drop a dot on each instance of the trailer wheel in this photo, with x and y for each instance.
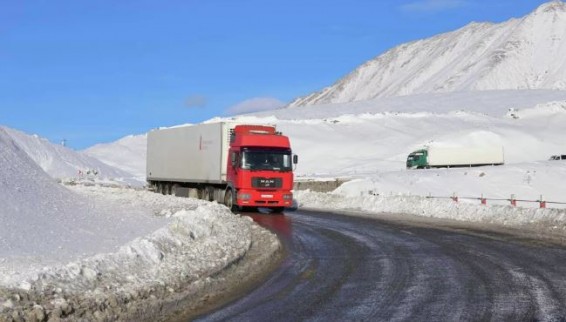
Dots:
(229, 200)
(174, 189)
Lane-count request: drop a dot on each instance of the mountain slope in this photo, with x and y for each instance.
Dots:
(524, 53)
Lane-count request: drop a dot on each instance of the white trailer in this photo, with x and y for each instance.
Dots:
(196, 154)
(465, 156)
(441, 157)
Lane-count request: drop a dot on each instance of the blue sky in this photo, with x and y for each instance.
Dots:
(94, 71)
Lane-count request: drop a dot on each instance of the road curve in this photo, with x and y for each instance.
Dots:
(351, 268)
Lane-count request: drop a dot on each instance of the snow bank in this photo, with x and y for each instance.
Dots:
(542, 220)
(199, 240)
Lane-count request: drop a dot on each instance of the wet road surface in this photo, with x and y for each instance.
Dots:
(342, 268)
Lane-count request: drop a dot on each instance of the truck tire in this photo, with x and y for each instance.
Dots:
(229, 199)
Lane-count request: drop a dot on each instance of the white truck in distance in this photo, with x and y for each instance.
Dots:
(450, 157)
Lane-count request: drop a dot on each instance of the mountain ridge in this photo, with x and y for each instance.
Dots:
(521, 53)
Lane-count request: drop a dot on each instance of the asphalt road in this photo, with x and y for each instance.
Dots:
(342, 268)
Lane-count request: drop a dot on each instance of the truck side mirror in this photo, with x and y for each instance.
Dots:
(295, 159)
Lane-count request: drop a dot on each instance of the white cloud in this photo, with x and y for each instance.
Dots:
(256, 104)
(433, 5)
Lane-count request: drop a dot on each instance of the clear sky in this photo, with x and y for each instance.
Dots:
(94, 71)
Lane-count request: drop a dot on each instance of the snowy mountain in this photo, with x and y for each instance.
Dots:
(59, 161)
(525, 53)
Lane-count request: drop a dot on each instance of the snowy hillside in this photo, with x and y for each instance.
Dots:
(525, 53)
(128, 154)
(61, 162)
(376, 136)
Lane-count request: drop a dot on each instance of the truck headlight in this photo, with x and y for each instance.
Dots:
(288, 196)
(244, 196)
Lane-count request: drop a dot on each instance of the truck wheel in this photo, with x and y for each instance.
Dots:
(229, 200)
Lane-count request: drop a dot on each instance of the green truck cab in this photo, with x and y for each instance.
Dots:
(417, 159)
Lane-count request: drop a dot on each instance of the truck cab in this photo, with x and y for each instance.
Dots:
(260, 168)
(417, 159)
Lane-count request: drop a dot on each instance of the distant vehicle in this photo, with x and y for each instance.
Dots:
(444, 157)
(235, 164)
(558, 157)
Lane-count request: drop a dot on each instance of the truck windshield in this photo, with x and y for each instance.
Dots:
(276, 160)
(414, 156)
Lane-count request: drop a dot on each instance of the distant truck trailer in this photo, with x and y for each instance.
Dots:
(449, 157)
(235, 164)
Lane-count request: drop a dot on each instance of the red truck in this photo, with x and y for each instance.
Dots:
(242, 166)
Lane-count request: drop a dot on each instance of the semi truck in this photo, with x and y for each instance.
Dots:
(239, 165)
(449, 157)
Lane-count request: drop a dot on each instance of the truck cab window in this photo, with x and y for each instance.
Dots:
(278, 160)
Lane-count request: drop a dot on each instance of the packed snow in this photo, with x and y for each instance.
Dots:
(81, 222)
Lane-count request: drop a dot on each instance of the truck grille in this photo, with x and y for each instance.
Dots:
(258, 182)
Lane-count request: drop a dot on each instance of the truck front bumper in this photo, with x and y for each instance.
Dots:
(264, 198)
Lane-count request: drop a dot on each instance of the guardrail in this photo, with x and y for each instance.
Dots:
(512, 200)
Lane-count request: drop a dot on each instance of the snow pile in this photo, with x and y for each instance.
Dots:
(193, 240)
(523, 53)
(35, 209)
(349, 198)
(61, 162)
